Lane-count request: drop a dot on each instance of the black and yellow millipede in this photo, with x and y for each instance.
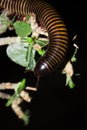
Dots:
(57, 32)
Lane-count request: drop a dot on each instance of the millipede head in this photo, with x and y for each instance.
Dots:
(41, 69)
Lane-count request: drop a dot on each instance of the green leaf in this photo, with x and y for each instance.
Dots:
(29, 40)
(26, 117)
(30, 57)
(73, 59)
(15, 95)
(4, 23)
(41, 52)
(21, 86)
(42, 43)
(9, 102)
(22, 29)
(22, 54)
(69, 82)
(17, 53)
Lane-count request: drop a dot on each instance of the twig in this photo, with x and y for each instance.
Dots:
(31, 88)
(16, 108)
(4, 95)
(17, 100)
(9, 40)
(25, 96)
(36, 29)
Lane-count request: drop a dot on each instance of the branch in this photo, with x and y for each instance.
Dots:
(9, 40)
(18, 99)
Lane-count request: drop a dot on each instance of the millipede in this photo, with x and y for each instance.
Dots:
(55, 26)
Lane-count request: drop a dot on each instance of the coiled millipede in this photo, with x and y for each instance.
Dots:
(57, 32)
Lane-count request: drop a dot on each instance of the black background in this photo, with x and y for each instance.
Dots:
(54, 105)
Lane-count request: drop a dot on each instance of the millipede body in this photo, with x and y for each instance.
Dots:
(57, 32)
